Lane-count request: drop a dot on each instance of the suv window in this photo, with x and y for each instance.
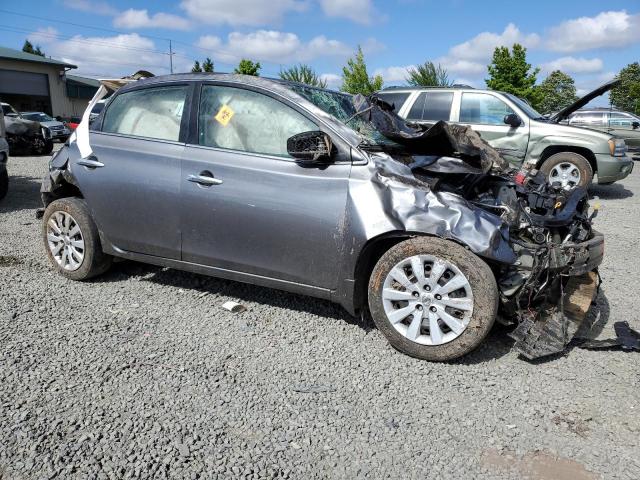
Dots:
(150, 113)
(438, 106)
(244, 120)
(431, 106)
(483, 109)
(396, 99)
(587, 118)
(620, 119)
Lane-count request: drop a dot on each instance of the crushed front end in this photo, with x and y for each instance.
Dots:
(537, 238)
(549, 290)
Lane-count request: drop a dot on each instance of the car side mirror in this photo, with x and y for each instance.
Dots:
(635, 125)
(310, 147)
(512, 120)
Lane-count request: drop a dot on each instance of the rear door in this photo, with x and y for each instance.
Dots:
(485, 112)
(247, 205)
(131, 182)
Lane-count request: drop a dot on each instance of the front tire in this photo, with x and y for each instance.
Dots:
(569, 169)
(72, 241)
(432, 298)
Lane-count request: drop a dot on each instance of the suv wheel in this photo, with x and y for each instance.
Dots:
(4, 182)
(568, 169)
(432, 298)
(72, 241)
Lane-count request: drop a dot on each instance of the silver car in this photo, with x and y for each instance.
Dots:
(568, 155)
(324, 194)
(59, 131)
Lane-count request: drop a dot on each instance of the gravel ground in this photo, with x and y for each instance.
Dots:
(141, 374)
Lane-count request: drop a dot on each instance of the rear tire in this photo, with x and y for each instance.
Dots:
(436, 329)
(569, 164)
(4, 183)
(72, 241)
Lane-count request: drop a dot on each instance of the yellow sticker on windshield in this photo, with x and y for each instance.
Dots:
(225, 115)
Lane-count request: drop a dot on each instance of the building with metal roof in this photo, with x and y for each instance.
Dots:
(31, 82)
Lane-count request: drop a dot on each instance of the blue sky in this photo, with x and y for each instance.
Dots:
(591, 40)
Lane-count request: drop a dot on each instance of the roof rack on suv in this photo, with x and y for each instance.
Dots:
(411, 87)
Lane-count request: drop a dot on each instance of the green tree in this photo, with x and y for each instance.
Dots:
(28, 47)
(303, 74)
(207, 65)
(247, 67)
(428, 75)
(509, 72)
(196, 67)
(356, 79)
(626, 96)
(556, 91)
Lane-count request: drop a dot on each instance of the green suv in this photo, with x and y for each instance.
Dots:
(568, 155)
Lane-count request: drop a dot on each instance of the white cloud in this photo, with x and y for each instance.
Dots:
(241, 12)
(140, 19)
(481, 46)
(359, 11)
(271, 46)
(394, 74)
(333, 80)
(104, 56)
(573, 65)
(605, 30)
(95, 7)
(469, 59)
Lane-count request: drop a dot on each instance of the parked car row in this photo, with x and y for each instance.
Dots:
(568, 155)
(335, 196)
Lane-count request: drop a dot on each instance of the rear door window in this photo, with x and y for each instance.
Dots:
(438, 106)
(417, 108)
(396, 99)
(244, 120)
(483, 109)
(587, 118)
(149, 113)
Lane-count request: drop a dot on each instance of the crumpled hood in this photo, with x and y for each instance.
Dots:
(461, 148)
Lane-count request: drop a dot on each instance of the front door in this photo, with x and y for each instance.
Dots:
(485, 113)
(131, 182)
(247, 205)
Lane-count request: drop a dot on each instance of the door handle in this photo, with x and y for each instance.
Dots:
(90, 162)
(205, 178)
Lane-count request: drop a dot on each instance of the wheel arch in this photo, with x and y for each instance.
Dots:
(372, 252)
(554, 149)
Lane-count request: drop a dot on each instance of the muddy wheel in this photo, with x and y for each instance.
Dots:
(432, 298)
(568, 169)
(4, 182)
(71, 240)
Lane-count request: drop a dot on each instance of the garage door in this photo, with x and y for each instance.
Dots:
(13, 82)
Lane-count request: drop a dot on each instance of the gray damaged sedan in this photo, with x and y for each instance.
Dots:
(324, 194)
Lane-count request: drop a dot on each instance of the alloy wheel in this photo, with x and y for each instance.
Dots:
(567, 174)
(427, 299)
(65, 241)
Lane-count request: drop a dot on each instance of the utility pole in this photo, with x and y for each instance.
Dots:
(170, 56)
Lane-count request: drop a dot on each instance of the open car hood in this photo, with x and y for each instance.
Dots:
(581, 102)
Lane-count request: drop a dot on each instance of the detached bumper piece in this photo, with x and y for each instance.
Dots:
(545, 332)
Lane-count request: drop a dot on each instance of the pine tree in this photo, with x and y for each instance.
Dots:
(355, 78)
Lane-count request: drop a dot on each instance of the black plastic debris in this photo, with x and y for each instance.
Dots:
(626, 339)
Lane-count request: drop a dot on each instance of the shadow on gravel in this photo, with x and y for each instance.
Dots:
(610, 192)
(242, 293)
(24, 194)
